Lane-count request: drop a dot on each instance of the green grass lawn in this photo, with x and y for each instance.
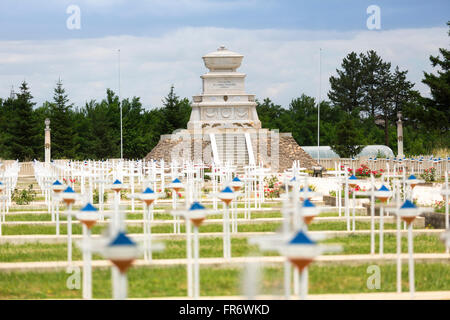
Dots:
(130, 216)
(242, 227)
(212, 247)
(145, 282)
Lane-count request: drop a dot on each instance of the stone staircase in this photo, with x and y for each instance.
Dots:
(232, 148)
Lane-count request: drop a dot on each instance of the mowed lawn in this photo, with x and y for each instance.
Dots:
(147, 282)
(26, 229)
(212, 247)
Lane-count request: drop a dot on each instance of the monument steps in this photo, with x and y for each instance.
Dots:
(232, 149)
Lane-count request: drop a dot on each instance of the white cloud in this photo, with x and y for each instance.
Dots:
(280, 64)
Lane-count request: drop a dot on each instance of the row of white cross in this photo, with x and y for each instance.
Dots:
(92, 176)
(298, 212)
(399, 182)
(192, 174)
(8, 180)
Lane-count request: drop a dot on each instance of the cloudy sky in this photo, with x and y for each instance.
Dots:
(162, 41)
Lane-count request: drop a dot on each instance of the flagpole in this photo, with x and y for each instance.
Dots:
(120, 105)
(318, 106)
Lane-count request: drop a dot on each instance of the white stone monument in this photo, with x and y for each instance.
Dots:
(223, 102)
(400, 136)
(47, 142)
(224, 126)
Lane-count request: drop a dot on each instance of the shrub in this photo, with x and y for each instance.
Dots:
(96, 196)
(439, 206)
(272, 187)
(24, 196)
(429, 175)
(123, 194)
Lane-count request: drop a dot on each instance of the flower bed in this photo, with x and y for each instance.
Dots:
(364, 172)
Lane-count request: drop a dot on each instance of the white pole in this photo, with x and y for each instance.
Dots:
(447, 250)
(226, 239)
(411, 261)
(191, 292)
(145, 216)
(347, 207)
(381, 229)
(399, 256)
(115, 273)
(286, 230)
(174, 205)
(318, 106)
(132, 187)
(304, 275)
(399, 241)
(297, 225)
(304, 284)
(372, 223)
(296, 282)
(120, 104)
(149, 230)
(122, 289)
(354, 210)
(446, 201)
(196, 265)
(1, 220)
(69, 234)
(53, 206)
(57, 218)
(87, 271)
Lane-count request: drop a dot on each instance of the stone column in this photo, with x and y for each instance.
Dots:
(47, 141)
(400, 136)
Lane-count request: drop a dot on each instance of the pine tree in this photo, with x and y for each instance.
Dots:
(175, 111)
(62, 134)
(6, 125)
(402, 92)
(372, 80)
(23, 130)
(346, 89)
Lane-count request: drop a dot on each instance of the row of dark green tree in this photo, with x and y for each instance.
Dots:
(366, 95)
(90, 132)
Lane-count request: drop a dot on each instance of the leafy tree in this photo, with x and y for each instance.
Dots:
(438, 114)
(270, 114)
(176, 112)
(347, 142)
(303, 120)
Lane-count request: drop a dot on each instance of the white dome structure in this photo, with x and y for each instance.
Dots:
(371, 151)
(222, 60)
(377, 150)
